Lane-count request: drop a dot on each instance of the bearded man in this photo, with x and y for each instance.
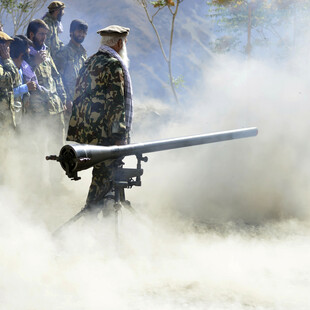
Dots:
(53, 19)
(45, 113)
(70, 59)
(102, 106)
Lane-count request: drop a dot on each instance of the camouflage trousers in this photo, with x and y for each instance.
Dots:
(101, 182)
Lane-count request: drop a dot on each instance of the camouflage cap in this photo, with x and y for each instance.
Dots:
(55, 5)
(5, 37)
(114, 30)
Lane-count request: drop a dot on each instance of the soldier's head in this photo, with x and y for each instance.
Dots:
(20, 48)
(56, 9)
(78, 30)
(116, 37)
(37, 31)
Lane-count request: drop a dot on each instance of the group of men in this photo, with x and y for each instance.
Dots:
(48, 88)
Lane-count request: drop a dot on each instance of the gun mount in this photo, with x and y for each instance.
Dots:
(77, 157)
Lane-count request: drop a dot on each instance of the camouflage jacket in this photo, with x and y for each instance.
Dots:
(98, 113)
(52, 97)
(69, 60)
(52, 39)
(9, 77)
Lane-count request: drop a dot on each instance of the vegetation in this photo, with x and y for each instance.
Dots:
(20, 13)
(260, 20)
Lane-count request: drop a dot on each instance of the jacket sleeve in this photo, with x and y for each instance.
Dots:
(59, 85)
(60, 60)
(9, 73)
(20, 90)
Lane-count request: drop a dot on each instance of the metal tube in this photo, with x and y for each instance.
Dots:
(77, 157)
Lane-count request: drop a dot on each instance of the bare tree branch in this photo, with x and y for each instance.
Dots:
(168, 59)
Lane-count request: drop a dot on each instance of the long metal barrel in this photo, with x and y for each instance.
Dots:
(77, 157)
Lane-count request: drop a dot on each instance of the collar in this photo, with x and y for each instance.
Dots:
(75, 47)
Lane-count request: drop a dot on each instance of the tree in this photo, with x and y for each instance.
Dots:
(20, 13)
(262, 17)
(156, 7)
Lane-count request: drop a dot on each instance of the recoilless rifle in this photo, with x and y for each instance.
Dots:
(77, 157)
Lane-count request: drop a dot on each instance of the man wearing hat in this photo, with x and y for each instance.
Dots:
(8, 76)
(70, 59)
(53, 19)
(102, 106)
(46, 109)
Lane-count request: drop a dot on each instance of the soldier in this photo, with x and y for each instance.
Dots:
(102, 106)
(19, 52)
(70, 59)
(53, 19)
(46, 109)
(8, 76)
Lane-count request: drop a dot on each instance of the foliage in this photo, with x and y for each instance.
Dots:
(20, 13)
(178, 82)
(260, 19)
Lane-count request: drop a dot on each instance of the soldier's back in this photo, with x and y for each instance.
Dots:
(98, 90)
(69, 60)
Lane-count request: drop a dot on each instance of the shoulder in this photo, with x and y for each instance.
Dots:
(64, 51)
(101, 64)
(105, 60)
(48, 18)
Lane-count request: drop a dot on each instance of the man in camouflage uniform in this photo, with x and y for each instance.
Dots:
(8, 77)
(46, 109)
(53, 19)
(70, 59)
(102, 106)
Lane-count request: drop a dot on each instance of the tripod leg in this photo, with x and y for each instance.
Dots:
(69, 222)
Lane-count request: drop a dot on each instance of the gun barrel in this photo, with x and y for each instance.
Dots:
(77, 157)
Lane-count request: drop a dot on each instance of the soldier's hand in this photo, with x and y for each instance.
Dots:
(40, 57)
(31, 86)
(4, 51)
